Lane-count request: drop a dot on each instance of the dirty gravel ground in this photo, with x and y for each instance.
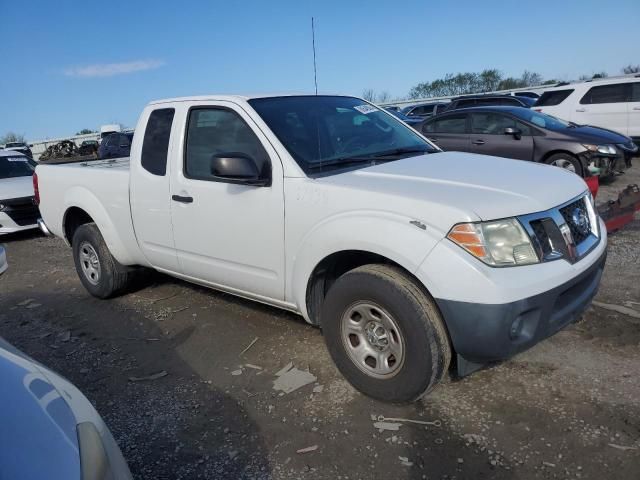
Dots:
(561, 410)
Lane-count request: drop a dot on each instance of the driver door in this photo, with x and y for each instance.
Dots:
(227, 234)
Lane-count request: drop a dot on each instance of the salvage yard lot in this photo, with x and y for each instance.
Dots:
(568, 408)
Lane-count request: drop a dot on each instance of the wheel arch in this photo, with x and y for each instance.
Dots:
(81, 207)
(336, 264)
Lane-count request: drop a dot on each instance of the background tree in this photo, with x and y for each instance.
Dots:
(370, 95)
(85, 131)
(488, 80)
(631, 69)
(12, 137)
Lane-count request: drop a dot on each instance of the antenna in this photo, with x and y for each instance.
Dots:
(313, 41)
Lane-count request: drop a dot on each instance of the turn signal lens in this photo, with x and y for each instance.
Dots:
(469, 237)
(500, 243)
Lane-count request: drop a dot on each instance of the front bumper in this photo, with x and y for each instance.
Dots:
(482, 333)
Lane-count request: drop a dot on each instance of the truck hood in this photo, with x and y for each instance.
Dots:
(16, 187)
(474, 185)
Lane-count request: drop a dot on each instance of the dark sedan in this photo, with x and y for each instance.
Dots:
(524, 134)
(115, 145)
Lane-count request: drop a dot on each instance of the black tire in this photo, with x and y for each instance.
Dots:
(559, 158)
(112, 277)
(427, 352)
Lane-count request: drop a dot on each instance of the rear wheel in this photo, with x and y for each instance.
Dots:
(99, 272)
(385, 334)
(566, 161)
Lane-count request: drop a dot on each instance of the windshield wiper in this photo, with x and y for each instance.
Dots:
(372, 159)
(344, 161)
(401, 151)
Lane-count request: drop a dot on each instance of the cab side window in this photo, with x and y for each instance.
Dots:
(219, 131)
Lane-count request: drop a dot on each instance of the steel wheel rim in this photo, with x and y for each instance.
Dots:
(373, 340)
(564, 163)
(90, 263)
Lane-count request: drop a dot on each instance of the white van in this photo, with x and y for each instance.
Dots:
(612, 103)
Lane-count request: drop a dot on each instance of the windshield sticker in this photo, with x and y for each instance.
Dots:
(17, 159)
(365, 109)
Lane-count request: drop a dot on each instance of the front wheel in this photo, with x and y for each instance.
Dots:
(99, 272)
(385, 334)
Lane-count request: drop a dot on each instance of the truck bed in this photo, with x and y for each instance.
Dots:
(102, 186)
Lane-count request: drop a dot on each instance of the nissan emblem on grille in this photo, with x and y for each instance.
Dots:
(580, 220)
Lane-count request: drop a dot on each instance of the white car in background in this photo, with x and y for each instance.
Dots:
(18, 210)
(612, 103)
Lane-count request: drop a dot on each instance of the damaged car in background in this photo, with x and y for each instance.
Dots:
(524, 134)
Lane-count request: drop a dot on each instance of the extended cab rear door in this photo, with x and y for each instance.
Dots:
(149, 188)
(227, 234)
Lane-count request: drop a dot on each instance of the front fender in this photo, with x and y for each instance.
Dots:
(386, 234)
(83, 198)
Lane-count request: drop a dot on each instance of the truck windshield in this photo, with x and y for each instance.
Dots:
(325, 133)
(11, 167)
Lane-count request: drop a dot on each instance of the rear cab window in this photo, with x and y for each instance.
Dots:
(554, 97)
(155, 145)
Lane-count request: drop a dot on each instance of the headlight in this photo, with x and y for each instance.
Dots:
(604, 149)
(500, 243)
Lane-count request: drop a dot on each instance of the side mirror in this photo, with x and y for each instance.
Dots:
(235, 167)
(517, 134)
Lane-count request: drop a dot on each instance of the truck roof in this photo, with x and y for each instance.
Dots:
(235, 98)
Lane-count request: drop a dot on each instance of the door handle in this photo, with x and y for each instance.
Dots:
(636, 108)
(181, 199)
(478, 142)
(581, 109)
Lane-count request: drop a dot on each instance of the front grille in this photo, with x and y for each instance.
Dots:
(543, 237)
(565, 231)
(23, 210)
(577, 218)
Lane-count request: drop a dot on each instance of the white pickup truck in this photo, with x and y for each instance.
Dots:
(407, 257)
